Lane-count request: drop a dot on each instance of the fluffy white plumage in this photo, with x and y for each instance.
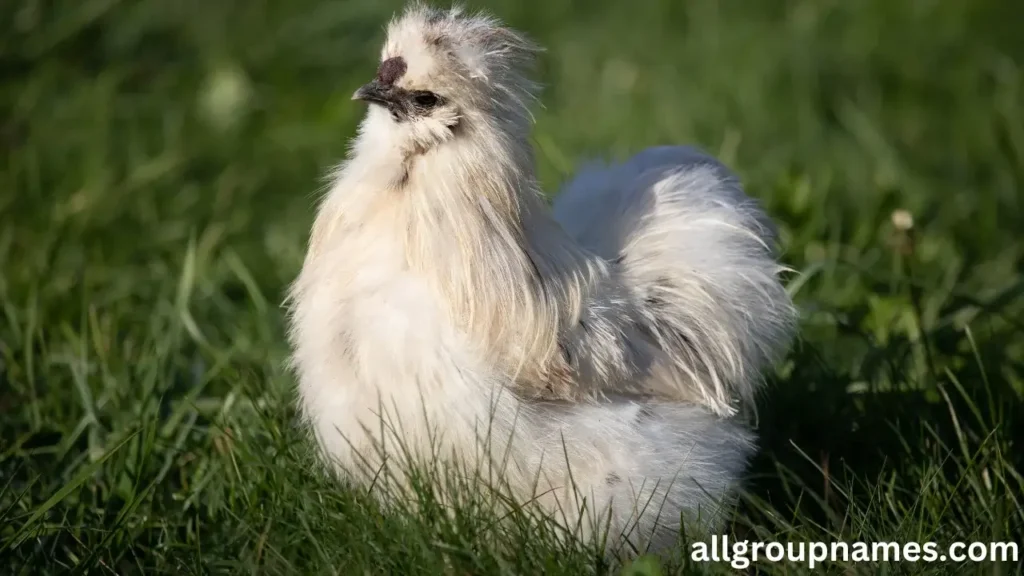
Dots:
(602, 350)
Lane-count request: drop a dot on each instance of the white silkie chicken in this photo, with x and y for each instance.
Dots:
(602, 351)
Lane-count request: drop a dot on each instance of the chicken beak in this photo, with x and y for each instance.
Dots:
(375, 92)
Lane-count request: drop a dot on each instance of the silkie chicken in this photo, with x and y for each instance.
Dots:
(604, 349)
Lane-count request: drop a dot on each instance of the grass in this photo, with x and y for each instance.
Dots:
(158, 167)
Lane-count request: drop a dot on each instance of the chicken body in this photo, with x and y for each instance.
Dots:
(443, 311)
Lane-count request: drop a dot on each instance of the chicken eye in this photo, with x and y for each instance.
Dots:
(425, 99)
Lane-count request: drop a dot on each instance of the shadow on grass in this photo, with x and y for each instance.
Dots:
(878, 450)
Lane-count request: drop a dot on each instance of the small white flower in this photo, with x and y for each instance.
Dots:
(902, 219)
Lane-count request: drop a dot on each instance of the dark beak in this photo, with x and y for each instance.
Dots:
(376, 92)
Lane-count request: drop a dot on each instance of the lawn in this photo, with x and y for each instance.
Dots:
(160, 161)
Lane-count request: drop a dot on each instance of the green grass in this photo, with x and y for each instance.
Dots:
(159, 162)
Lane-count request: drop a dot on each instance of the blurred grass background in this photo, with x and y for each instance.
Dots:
(159, 162)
